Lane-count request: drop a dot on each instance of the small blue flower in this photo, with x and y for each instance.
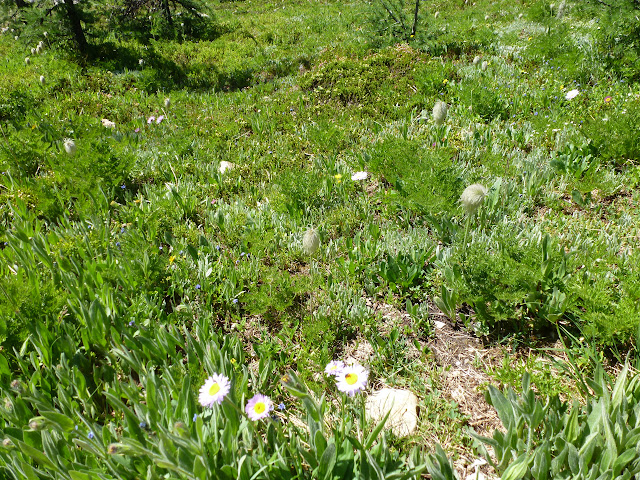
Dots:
(281, 406)
(197, 286)
(195, 417)
(117, 244)
(235, 300)
(91, 435)
(142, 425)
(122, 230)
(123, 187)
(132, 323)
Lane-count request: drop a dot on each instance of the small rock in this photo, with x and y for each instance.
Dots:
(403, 405)
(438, 324)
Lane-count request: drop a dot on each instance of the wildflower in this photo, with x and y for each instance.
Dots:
(338, 177)
(352, 379)
(484, 65)
(114, 448)
(476, 59)
(142, 424)
(258, 407)
(159, 119)
(172, 258)
(571, 94)
(607, 99)
(90, 435)
(45, 34)
(42, 80)
(215, 388)
(141, 62)
(195, 417)
(150, 120)
(27, 60)
(197, 286)
(137, 130)
(472, 198)
(281, 406)
(17, 386)
(108, 123)
(69, 146)
(334, 367)
(310, 241)
(439, 112)
(359, 176)
(436, 15)
(7, 443)
(167, 102)
(224, 166)
(33, 51)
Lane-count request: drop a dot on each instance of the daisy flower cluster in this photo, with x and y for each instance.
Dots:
(350, 377)
(218, 386)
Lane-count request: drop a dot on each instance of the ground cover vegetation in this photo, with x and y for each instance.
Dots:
(206, 205)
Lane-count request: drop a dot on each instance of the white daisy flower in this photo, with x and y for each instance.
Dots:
(359, 176)
(215, 388)
(571, 94)
(352, 379)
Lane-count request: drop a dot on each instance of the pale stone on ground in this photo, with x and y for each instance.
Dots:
(403, 404)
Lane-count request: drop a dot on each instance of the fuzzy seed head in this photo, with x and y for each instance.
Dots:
(476, 59)
(69, 146)
(310, 241)
(439, 112)
(484, 65)
(167, 102)
(472, 198)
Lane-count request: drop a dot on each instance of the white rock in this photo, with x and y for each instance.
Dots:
(224, 166)
(403, 405)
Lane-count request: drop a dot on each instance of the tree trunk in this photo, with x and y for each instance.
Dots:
(76, 26)
(415, 19)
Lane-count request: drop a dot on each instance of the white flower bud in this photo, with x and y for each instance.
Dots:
(472, 198)
(42, 80)
(310, 241)
(476, 59)
(484, 65)
(27, 60)
(439, 112)
(167, 102)
(69, 146)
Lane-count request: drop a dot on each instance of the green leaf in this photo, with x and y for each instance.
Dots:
(623, 460)
(541, 462)
(572, 429)
(34, 454)
(376, 431)
(517, 469)
(62, 421)
(327, 462)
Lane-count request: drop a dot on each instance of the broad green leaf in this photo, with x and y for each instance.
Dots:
(518, 468)
(623, 460)
(62, 421)
(327, 462)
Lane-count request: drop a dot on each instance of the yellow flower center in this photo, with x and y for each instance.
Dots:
(215, 388)
(260, 407)
(351, 378)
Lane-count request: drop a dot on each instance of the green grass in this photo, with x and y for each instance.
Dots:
(135, 261)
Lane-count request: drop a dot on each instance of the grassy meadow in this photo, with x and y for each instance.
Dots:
(283, 184)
